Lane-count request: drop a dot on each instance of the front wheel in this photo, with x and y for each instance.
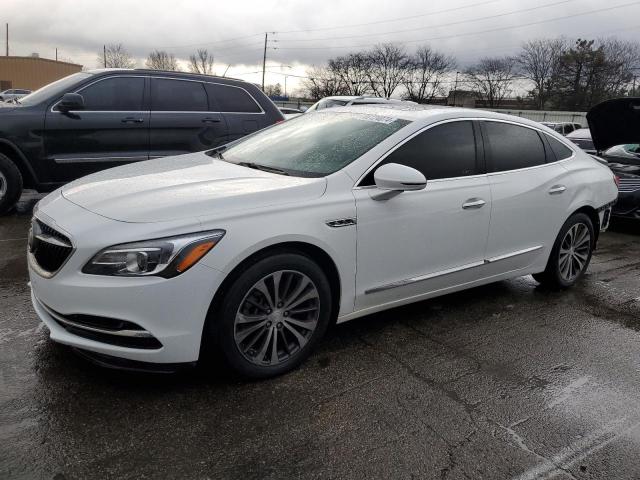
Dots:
(272, 315)
(571, 253)
(10, 184)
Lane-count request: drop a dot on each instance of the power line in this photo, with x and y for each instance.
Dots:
(480, 32)
(460, 22)
(398, 19)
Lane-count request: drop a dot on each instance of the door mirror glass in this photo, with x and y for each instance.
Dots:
(399, 178)
(70, 102)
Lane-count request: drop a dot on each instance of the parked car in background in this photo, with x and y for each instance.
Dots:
(289, 112)
(582, 138)
(563, 128)
(616, 132)
(13, 93)
(346, 100)
(252, 249)
(99, 119)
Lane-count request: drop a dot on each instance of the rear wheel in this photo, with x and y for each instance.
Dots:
(10, 184)
(272, 316)
(571, 253)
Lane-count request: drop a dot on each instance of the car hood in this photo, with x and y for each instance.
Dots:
(184, 186)
(615, 122)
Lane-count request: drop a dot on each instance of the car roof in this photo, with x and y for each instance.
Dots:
(167, 73)
(426, 114)
(580, 133)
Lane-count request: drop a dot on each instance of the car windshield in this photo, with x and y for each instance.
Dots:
(313, 145)
(53, 89)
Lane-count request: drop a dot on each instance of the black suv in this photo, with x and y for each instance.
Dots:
(99, 119)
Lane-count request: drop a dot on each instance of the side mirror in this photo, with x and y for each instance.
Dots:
(70, 102)
(394, 178)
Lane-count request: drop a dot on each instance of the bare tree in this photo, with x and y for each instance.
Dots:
(115, 56)
(426, 71)
(539, 61)
(492, 78)
(161, 60)
(353, 70)
(201, 62)
(387, 68)
(273, 90)
(322, 82)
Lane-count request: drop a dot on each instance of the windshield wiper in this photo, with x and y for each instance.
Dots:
(264, 168)
(217, 152)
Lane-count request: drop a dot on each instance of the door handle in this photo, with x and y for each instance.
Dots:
(132, 120)
(557, 189)
(211, 120)
(473, 203)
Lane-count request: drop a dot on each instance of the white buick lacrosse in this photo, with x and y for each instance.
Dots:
(252, 249)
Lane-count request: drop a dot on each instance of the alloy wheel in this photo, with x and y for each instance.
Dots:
(574, 252)
(3, 185)
(277, 317)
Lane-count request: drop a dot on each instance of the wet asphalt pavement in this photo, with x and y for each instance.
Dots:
(504, 381)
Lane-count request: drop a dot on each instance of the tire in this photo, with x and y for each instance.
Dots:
(249, 315)
(571, 253)
(10, 184)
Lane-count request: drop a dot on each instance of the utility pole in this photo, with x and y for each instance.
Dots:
(104, 55)
(455, 89)
(264, 58)
(56, 54)
(7, 29)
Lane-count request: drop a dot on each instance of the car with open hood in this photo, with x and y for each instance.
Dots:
(253, 248)
(615, 131)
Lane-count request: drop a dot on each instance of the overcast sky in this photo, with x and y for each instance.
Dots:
(307, 31)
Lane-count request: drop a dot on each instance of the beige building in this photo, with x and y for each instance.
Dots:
(32, 73)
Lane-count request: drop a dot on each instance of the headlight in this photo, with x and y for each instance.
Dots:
(164, 257)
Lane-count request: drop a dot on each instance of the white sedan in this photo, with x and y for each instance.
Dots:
(254, 248)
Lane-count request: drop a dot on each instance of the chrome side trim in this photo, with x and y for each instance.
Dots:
(52, 240)
(98, 159)
(341, 222)
(421, 278)
(120, 333)
(513, 254)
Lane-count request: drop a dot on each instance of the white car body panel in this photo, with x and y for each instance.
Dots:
(413, 246)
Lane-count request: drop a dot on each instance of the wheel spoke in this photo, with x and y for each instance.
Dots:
(242, 318)
(304, 282)
(261, 286)
(249, 330)
(265, 346)
(579, 263)
(307, 296)
(274, 348)
(276, 287)
(298, 335)
(311, 325)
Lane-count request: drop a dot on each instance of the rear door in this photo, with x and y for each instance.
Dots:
(243, 113)
(183, 118)
(112, 129)
(530, 194)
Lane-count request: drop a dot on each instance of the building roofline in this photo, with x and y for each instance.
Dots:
(41, 59)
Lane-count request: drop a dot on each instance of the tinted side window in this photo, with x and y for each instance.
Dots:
(178, 96)
(233, 99)
(118, 94)
(445, 151)
(511, 147)
(559, 150)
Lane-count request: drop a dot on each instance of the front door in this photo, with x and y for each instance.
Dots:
(427, 240)
(112, 129)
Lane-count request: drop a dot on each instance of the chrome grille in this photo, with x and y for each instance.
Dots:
(629, 185)
(48, 248)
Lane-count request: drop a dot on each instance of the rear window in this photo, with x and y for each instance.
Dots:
(512, 147)
(178, 96)
(233, 99)
(559, 150)
(315, 144)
